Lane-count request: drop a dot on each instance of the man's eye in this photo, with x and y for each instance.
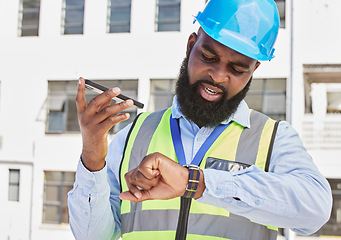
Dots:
(207, 59)
(235, 71)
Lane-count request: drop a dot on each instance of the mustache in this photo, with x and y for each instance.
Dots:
(210, 82)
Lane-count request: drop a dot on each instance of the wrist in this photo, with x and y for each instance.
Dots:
(201, 187)
(91, 165)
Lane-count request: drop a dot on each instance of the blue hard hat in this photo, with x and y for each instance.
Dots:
(249, 27)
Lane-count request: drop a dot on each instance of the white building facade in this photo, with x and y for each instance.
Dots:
(45, 46)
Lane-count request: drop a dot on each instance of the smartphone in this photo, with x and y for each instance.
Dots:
(100, 89)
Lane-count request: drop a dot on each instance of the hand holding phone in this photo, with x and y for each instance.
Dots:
(96, 118)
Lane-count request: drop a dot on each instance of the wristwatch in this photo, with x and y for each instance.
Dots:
(193, 180)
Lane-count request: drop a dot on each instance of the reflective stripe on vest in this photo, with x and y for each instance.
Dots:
(236, 148)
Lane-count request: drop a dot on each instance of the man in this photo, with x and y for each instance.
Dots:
(254, 174)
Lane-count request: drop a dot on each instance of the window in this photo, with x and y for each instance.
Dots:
(29, 18)
(281, 9)
(119, 12)
(61, 107)
(334, 98)
(161, 94)
(73, 11)
(269, 97)
(322, 87)
(13, 188)
(56, 187)
(168, 15)
(61, 104)
(333, 226)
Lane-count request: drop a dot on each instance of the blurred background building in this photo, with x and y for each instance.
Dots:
(139, 45)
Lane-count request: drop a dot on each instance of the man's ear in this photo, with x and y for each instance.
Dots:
(257, 65)
(191, 41)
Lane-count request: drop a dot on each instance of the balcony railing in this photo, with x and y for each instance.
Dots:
(322, 132)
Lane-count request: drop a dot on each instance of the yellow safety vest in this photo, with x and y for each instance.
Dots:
(236, 148)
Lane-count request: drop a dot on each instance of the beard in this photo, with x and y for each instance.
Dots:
(199, 110)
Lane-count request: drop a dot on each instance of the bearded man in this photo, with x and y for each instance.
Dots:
(207, 167)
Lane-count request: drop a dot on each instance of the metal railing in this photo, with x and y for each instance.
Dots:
(322, 133)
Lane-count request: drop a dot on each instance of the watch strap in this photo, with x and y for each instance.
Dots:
(193, 180)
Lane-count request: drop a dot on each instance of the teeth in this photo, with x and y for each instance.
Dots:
(210, 91)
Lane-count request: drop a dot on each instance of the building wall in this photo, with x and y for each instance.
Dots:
(316, 37)
(16, 215)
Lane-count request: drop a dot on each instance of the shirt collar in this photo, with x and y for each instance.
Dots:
(241, 115)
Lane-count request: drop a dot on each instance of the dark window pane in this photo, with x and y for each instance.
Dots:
(120, 13)
(64, 210)
(162, 92)
(168, 15)
(30, 18)
(72, 118)
(74, 3)
(333, 226)
(51, 214)
(57, 185)
(31, 3)
(119, 28)
(281, 9)
(275, 104)
(69, 178)
(56, 123)
(14, 176)
(13, 193)
(168, 27)
(255, 101)
(52, 193)
(13, 186)
(268, 96)
(74, 16)
(53, 177)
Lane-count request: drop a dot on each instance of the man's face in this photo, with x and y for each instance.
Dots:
(213, 80)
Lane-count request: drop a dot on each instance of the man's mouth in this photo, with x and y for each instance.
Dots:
(210, 92)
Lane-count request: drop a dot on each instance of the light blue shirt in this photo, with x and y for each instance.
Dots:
(293, 194)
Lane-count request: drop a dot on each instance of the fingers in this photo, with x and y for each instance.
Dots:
(108, 111)
(99, 110)
(102, 100)
(135, 178)
(137, 197)
(80, 98)
(130, 197)
(140, 184)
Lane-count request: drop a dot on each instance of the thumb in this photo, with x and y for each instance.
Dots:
(137, 197)
(130, 197)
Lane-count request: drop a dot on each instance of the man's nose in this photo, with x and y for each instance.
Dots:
(218, 73)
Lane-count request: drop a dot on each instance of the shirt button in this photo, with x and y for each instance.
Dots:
(257, 202)
(217, 192)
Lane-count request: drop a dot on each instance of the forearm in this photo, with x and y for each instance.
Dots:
(295, 201)
(91, 214)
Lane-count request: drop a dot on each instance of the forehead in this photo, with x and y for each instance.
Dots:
(206, 42)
